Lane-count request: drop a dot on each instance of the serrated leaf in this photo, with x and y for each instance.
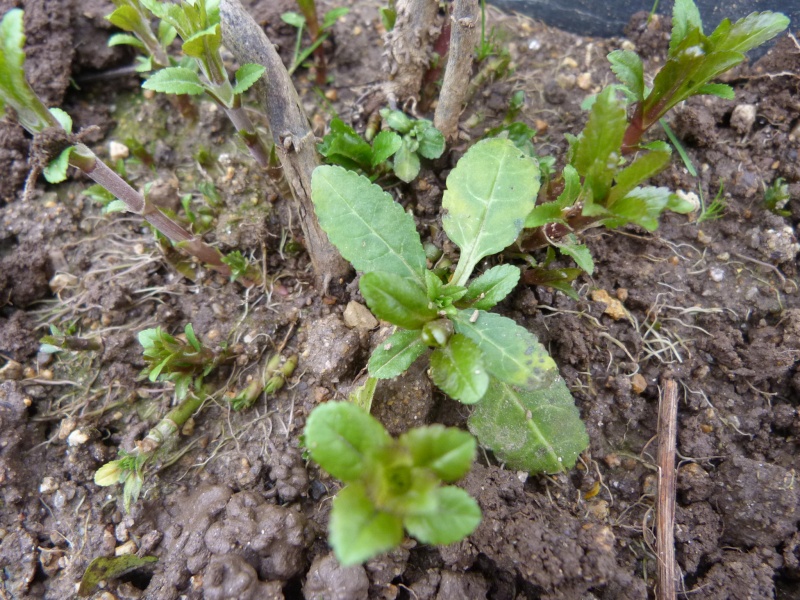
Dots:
(580, 254)
(535, 431)
(640, 170)
(370, 229)
(685, 17)
(246, 76)
(395, 354)
(385, 144)
(63, 119)
(749, 32)
(56, 169)
(511, 353)
(447, 451)
(549, 212)
(126, 18)
(457, 515)
(14, 89)
(457, 370)
(126, 39)
(628, 68)
(641, 206)
(431, 142)
(406, 162)
(720, 90)
(489, 194)
(175, 80)
(357, 530)
(397, 300)
(343, 439)
(491, 287)
(203, 43)
(104, 568)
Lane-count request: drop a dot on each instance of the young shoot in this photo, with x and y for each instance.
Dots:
(318, 32)
(391, 484)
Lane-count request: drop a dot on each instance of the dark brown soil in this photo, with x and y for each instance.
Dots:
(233, 511)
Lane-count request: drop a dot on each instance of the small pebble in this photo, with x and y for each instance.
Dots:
(743, 117)
(118, 151)
(128, 547)
(584, 81)
(48, 485)
(569, 63)
(716, 274)
(638, 383)
(77, 438)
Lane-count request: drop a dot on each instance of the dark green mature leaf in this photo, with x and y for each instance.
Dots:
(457, 516)
(511, 353)
(395, 354)
(406, 161)
(385, 144)
(246, 76)
(749, 32)
(685, 18)
(344, 439)
(595, 151)
(104, 568)
(344, 142)
(491, 287)
(175, 80)
(358, 531)
(14, 89)
(535, 431)
(396, 300)
(457, 370)
(370, 229)
(447, 451)
(628, 68)
(489, 194)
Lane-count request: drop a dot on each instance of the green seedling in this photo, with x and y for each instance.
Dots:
(388, 15)
(59, 341)
(489, 45)
(134, 19)
(776, 197)
(519, 133)
(318, 33)
(391, 484)
(273, 378)
(714, 210)
(343, 146)
(476, 355)
(197, 22)
(602, 187)
(419, 138)
(56, 148)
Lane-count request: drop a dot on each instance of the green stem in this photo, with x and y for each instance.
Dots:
(170, 424)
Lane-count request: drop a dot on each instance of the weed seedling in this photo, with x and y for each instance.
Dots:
(776, 197)
(318, 33)
(55, 147)
(130, 16)
(476, 355)
(392, 484)
(714, 210)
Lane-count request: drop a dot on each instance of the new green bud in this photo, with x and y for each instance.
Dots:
(436, 333)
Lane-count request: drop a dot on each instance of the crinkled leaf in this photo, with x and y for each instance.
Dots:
(344, 142)
(491, 287)
(535, 431)
(175, 80)
(104, 568)
(126, 39)
(489, 194)
(359, 531)
(685, 17)
(627, 66)
(246, 76)
(721, 90)
(385, 144)
(447, 451)
(56, 169)
(749, 32)
(406, 162)
(395, 354)
(370, 229)
(344, 439)
(431, 142)
(396, 300)
(510, 352)
(457, 515)
(457, 370)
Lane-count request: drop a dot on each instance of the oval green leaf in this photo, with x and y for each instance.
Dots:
(396, 300)
(447, 451)
(456, 516)
(457, 370)
(395, 354)
(491, 287)
(175, 80)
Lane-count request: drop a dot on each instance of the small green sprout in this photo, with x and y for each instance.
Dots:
(318, 33)
(343, 146)
(391, 484)
(776, 197)
(272, 379)
(419, 138)
(388, 15)
(475, 355)
(59, 340)
(713, 211)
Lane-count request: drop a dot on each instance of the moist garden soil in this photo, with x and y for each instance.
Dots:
(232, 510)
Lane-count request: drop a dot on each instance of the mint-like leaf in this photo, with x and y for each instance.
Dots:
(457, 370)
(457, 516)
(246, 76)
(395, 354)
(447, 451)
(491, 287)
(175, 80)
(397, 300)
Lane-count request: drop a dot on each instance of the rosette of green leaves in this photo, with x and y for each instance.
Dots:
(391, 484)
(490, 192)
(418, 138)
(343, 146)
(171, 359)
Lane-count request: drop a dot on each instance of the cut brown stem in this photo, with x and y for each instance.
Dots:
(665, 505)
(464, 38)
